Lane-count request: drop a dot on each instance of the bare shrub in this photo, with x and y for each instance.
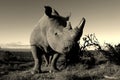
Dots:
(90, 40)
(117, 48)
(87, 57)
(113, 53)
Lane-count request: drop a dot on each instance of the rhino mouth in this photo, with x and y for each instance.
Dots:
(69, 48)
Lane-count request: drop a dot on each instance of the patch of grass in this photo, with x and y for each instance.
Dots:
(73, 72)
(93, 65)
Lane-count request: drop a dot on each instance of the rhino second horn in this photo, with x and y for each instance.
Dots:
(69, 25)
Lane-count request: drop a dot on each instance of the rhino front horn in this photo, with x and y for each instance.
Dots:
(81, 24)
(79, 29)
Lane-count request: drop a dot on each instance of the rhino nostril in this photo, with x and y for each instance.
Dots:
(66, 48)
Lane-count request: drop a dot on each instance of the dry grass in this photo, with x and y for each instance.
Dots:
(98, 68)
(76, 72)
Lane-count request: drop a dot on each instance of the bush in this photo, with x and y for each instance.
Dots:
(113, 53)
(117, 48)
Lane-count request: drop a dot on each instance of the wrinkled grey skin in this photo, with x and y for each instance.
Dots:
(53, 35)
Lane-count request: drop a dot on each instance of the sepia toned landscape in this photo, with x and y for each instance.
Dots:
(100, 63)
(59, 40)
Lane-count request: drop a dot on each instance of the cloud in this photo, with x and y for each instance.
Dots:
(14, 45)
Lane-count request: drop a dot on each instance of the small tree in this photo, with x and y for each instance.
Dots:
(90, 40)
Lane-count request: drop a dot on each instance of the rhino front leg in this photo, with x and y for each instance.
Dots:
(37, 59)
(48, 59)
(53, 63)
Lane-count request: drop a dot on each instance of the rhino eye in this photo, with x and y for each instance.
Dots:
(55, 33)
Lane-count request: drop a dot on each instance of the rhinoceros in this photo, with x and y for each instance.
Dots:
(53, 35)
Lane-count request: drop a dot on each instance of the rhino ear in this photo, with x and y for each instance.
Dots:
(56, 13)
(48, 11)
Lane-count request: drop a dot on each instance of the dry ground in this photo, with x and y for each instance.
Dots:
(87, 69)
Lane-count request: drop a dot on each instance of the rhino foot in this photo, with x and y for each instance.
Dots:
(46, 65)
(36, 71)
(54, 71)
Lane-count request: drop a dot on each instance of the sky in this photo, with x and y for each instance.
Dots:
(19, 17)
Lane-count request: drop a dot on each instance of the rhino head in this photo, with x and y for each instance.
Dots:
(54, 35)
(61, 36)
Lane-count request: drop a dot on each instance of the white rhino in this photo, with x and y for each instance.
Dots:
(53, 35)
